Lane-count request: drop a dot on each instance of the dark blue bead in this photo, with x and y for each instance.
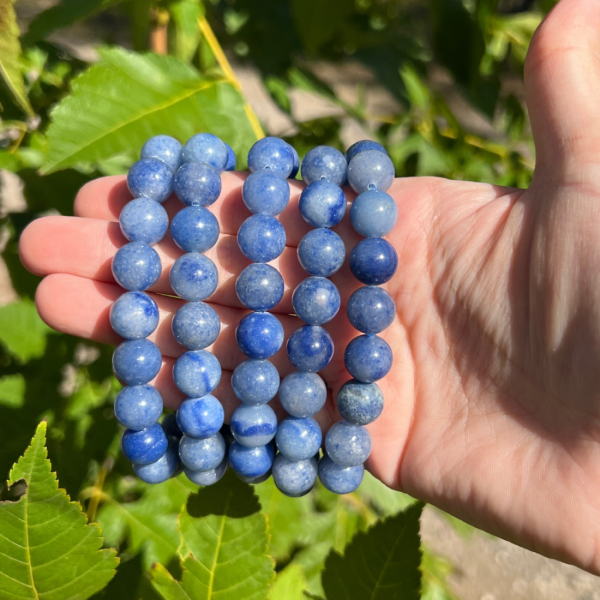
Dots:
(347, 445)
(360, 403)
(134, 315)
(324, 162)
(138, 406)
(261, 238)
(195, 229)
(200, 417)
(209, 477)
(196, 325)
(294, 478)
(316, 300)
(194, 277)
(259, 335)
(170, 427)
(310, 348)
(144, 220)
(231, 159)
(371, 309)
(370, 170)
(321, 252)
(373, 261)
(373, 213)
(136, 362)
(368, 358)
(164, 148)
(265, 192)
(259, 287)
(197, 373)
(255, 381)
(145, 446)
(202, 455)
(197, 183)
(361, 146)
(339, 480)
(298, 439)
(162, 469)
(322, 204)
(251, 462)
(253, 425)
(136, 266)
(296, 166)
(271, 153)
(207, 148)
(150, 178)
(302, 394)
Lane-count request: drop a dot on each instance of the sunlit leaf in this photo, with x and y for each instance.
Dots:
(185, 15)
(12, 390)
(289, 584)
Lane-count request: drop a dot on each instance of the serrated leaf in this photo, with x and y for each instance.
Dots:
(385, 500)
(12, 390)
(289, 584)
(47, 551)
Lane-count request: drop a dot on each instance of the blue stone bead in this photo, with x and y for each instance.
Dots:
(200, 417)
(136, 266)
(370, 170)
(207, 148)
(255, 381)
(144, 220)
(371, 309)
(373, 261)
(347, 445)
(209, 477)
(197, 184)
(296, 166)
(150, 178)
(322, 204)
(259, 287)
(145, 446)
(265, 192)
(310, 348)
(361, 146)
(321, 252)
(271, 153)
(255, 480)
(294, 478)
(251, 462)
(202, 455)
(340, 480)
(134, 315)
(253, 425)
(302, 394)
(261, 238)
(316, 300)
(324, 162)
(194, 277)
(138, 406)
(195, 229)
(298, 439)
(197, 373)
(259, 335)
(368, 358)
(360, 403)
(136, 362)
(196, 325)
(164, 148)
(162, 469)
(373, 213)
(231, 159)
(170, 427)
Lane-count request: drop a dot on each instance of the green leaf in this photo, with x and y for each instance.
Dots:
(380, 563)
(47, 551)
(12, 391)
(185, 15)
(385, 500)
(289, 584)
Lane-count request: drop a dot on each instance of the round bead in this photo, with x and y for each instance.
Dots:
(321, 252)
(145, 446)
(255, 480)
(195, 229)
(347, 445)
(371, 309)
(251, 462)
(134, 315)
(271, 153)
(196, 325)
(316, 300)
(164, 148)
(265, 192)
(194, 277)
(296, 166)
(368, 358)
(207, 148)
(261, 238)
(253, 425)
(197, 183)
(360, 403)
(310, 348)
(138, 406)
(209, 477)
(136, 266)
(339, 480)
(162, 469)
(255, 381)
(294, 478)
(302, 394)
(259, 287)
(259, 335)
(144, 220)
(298, 439)
(150, 178)
(202, 455)
(324, 162)
(370, 170)
(322, 204)
(231, 159)
(136, 362)
(197, 373)
(170, 427)
(373, 261)
(361, 146)
(200, 417)
(373, 213)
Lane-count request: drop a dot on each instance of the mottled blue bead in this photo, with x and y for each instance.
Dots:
(373, 213)
(360, 403)
(254, 425)
(136, 362)
(322, 204)
(271, 153)
(136, 266)
(316, 300)
(194, 277)
(170, 427)
(195, 229)
(298, 439)
(302, 394)
(162, 469)
(373, 261)
(134, 315)
(196, 325)
(310, 348)
(200, 417)
(144, 220)
(255, 381)
(145, 446)
(362, 146)
(259, 287)
(368, 358)
(324, 162)
(255, 480)
(138, 406)
(150, 178)
(209, 477)
(296, 166)
(370, 170)
(347, 445)
(321, 252)
(197, 373)
(164, 148)
(197, 184)
(231, 159)
(294, 478)
(259, 335)
(251, 462)
(202, 455)
(261, 238)
(371, 309)
(265, 192)
(207, 148)
(340, 480)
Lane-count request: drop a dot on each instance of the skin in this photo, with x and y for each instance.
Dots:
(493, 405)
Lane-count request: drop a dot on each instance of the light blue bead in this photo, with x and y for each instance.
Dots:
(361, 146)
(161, 470)
(164, 148)
(368, 358)
(322, 204)
(371, 309)
(347, 445)
(316, 300)
(302, 394)
(265, 192)
(340, 480)
(255, 381)
(138, 406)
(298, 439)
(231, 159)
(136, 266)
(360, 403)
(296, 166)
(310, 348)
(253, 426)
(200, 417)
(134, 315)
(195, 229)
(207, 148)
(294, 478)
(136, 362)
(370, 170)
(202, 455)
(251, 462)
(196, 325)
(321, 252)
(197, 183)
(210, 477)
(259, 335)
(145, 446)
(197, 373)
(194, 277)
(324, 162)
(271, 153)
(373, 261)
(150, 178)
(261, 238)
(373, 213)
(144, 220)
(170, 427)
(259, 287)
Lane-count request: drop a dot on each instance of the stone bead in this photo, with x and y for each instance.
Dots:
(298, 439)
(368, 358)
(255, 480)
(209, 477)
(265, 192)
(206, 148)
(200, 418)
(310, 348)
(259, 335)
(134, 315)
(294, 478)
(361, 146)
(197, 373)
(150, 178)
(162, 469)
(144, 220)
(359, 403)
(231, 159)
(164, 148)
(136, 362)
(196, 325)
(302, 394)
(138, 406)
(373, 261)
(347, 445)
(261, 238)
(253, 426)
(373, 213)
(251, 462)
(371, 309)
(316, 300)
(340, 480)
(271, 153)
(145, 446)
(259, 287)
(324, 162)
(197, 183)
(255, 381)
(136, 266)
(195, 229)
(194, 277)
(296, 166)
(321, 252)
(202, 455)
(370, 170)
(322, 204)
(170, 427)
